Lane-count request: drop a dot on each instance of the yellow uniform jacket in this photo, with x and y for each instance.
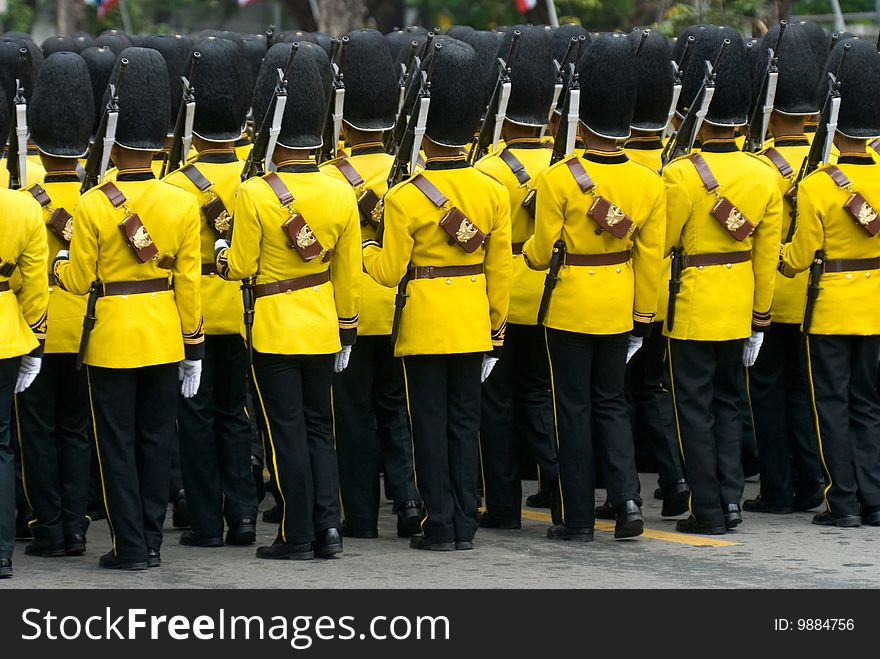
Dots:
(221, 299)
(847, 302)
(527, 284)
(308, 321)
(600, 299)
(789, 295)
(146, 329)
(723, 302)
(22, 245)
(377, 301)
(66, 310)
(33, 169)
(446, 315)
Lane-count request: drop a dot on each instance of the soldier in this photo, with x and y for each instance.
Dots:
(723, 212)
(10, 75)
(370, 392)
(777, 383)
(516, 407)
(436, 235)
(138, 240)
(837, 228)
(23, 257)
(605, 215)
(297, 232)
(53, 413)
(215, 434)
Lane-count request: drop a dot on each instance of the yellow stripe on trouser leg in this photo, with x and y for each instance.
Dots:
(412, 443)
(274, 455)
(816, 420)
(24, 486)
(555, 425)
(333, 430)
(677, 424)
(100, 461)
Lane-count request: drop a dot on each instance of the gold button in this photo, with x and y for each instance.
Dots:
(618, 270)
(729, 266)
(473, 279)
(699, 267)
(211, 275)
(849, 276)
(315, 288)
(288, 292)
(867, 275)
(448, 281)
(153, 294)
(124, 297)
(592, 272)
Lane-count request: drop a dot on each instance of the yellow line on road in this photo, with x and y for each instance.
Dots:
(668, 536)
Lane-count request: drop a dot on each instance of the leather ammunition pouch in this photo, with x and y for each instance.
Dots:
(458, 227)
(60, 222)
(785, 169)
(134, 231)
(522, 177)
(857, 206)
(367, 200)
(214, 210)
(300, 237)
(731, 219)
(609, 217)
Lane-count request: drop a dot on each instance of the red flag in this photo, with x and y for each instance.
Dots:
(525, 6)
(105, 6)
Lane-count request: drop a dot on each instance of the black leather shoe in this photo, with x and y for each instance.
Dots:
(190, 539)
(154, 559)
(827, 518)
(871, 516)
(540, 499)
(243, 532)
(5, 568)
(675, 501)
(562, 532)
(109, 561)
(421, 542)
(759, 505)
(287, 551)
(367, 534)
(328, 542)
(409, 519)
(272, 515)
(629, 522)
(733, 516)
(605, 511)
(75, 544)
(489, 522)
(45, 549)
(810, 498)
(180, 512)
(464, 545)
(658, 494)
(693, 525)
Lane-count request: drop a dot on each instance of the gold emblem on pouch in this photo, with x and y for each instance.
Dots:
(67, 231)
(867, 214)
(141, 239)
(615, 215)
(735, 220)
(465, 232)
(223, 222)
(305, 237)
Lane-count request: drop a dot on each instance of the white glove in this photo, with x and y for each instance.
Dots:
(488, 364)
(27, 372)
(220, 243)
(62, 255)
(342, 358)
(635, 342)
(752, 348)
(189, 371)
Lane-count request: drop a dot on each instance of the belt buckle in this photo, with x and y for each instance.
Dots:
(427, 272)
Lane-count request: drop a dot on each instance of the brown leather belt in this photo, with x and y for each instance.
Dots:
(517, 248)
(209, 269)
(4, 286)
(437, 271)
(848, 265)
(721, 258)
(134, 287)
(295, 284)
(53, 280)
(598, 259)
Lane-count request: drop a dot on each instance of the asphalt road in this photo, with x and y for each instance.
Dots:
(765, 552)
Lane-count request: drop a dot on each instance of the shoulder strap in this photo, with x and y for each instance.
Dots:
(876, 145)
(580, 175)
(705, 173)
(779, 162)
(430, 191)
(351, 175)
(840, 179)
(274, 181)
(196, 177)
(114, 194)
(40, 195)
(518, 169)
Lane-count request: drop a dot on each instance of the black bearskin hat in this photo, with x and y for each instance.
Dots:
(144, 106)
(370, 82)
(58, 44)
(61, 110)
(606, 73)
(859, 88)
(654, 81)
(532, 76)
(174, 50)
(221, 97)
(456, 94)
(100, 62)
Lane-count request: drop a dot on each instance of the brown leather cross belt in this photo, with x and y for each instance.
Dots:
(721, 258)
(135, 287)
(598, 259)
(4, 286)
(517, 248)
(295, 284)
(209, 269)
(436, 271)
(848, 265)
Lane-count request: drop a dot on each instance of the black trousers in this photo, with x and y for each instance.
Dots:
(516, 411)
(587, 374)
(53, 417)
(783, 416)
(8, 376)
(294, 395)
(653, 418)
(369, 408)
(215, 440)
(847, 414)
(443, 398)
(706, 393)
(135, 412)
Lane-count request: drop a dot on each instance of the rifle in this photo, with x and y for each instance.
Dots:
(16, 157)
(566, 132)
(270, 36)
(333, 119)
(682, 141)
(260, 156)
(99, 152)
(182, 140)
(816, 269)
(759, 119)
(405, 74)
(678, 69)
(552, 277)
(559, 85)
(88, 322)
(395, 135)
(493, 120)
(674, 285)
